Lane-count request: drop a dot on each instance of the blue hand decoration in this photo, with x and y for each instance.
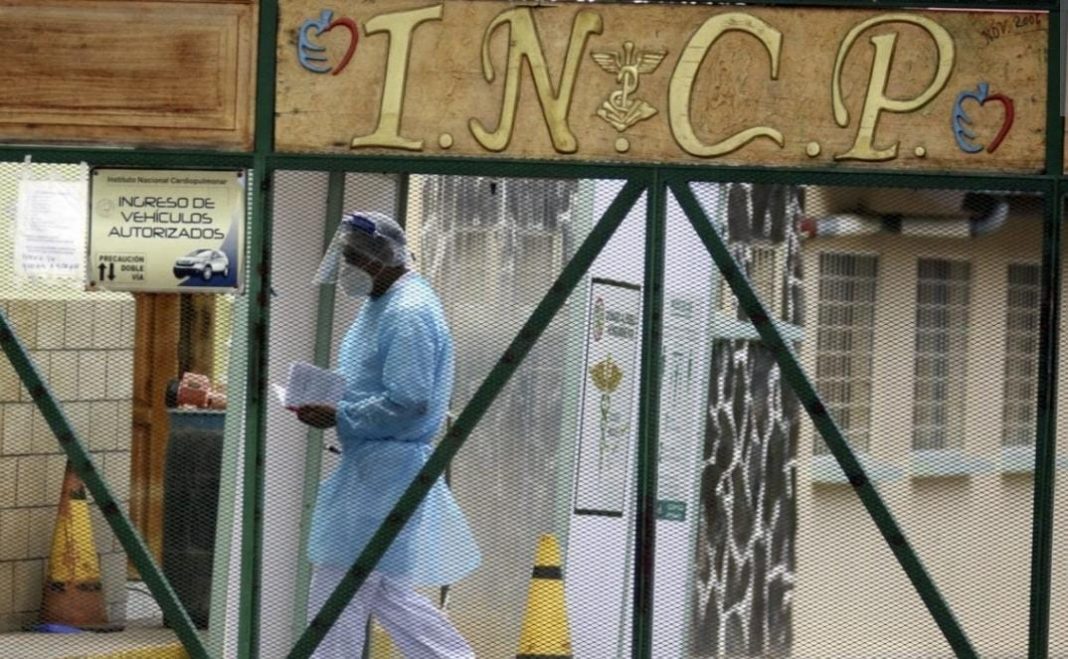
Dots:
(960, 131)
(307, 51)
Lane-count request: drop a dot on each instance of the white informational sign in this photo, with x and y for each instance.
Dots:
(681, 401)
(50, 230)
(605, 433)
(166, 230)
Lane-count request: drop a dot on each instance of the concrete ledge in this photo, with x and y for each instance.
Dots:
(1021, 460)
(934, 463)
(825, 470)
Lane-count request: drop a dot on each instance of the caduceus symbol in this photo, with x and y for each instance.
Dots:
(606, 376)
(620, 109)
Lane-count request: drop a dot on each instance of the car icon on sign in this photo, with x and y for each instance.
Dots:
(204, 262)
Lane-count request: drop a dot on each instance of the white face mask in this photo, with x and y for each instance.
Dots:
(355, 282)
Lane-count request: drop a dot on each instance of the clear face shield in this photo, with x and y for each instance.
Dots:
(362, 246)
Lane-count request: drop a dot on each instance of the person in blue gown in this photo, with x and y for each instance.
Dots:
(397, 361)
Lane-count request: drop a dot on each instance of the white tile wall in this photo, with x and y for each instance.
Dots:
(64, 376)
(84, 349)
(17, 428)
(79, 416)
(29, 579)
(57, 465)
(50, 325)
(23, 317)
(104, 425)
(7, 587)
(31, 482)
(107, 325)
(94, 371)
(14, 533)
(42, 524)
(79, 325)
(8, 474)
(117, 473)
(9, 381)
(120, 375)
(42, 439)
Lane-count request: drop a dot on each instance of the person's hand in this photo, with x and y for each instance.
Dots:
(317, 416)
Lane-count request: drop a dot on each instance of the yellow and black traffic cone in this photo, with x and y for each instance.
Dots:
(545, 632)
(73, 593)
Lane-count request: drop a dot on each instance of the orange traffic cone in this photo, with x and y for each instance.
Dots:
(545, 633)
(73, 593)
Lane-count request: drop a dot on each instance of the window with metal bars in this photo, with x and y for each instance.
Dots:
(940, 363)
(844, 343)
(1021, 355)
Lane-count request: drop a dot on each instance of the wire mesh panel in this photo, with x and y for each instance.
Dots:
(921, 336)
(141, 378)
(913, 315)
(524, 546)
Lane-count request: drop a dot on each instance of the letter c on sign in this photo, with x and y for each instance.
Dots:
(686, 70)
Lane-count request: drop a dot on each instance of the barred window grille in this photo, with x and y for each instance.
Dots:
(844, 343)
(1021, 355)
(942, 301)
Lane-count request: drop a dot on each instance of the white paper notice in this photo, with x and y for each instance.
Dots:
(310, 385)
(50, 230)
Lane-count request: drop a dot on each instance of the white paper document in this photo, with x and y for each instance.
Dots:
(310, 385)
(50, 230)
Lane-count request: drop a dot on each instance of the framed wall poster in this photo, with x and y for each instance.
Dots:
(606, 423)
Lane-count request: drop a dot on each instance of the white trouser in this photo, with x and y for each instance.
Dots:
(417, 628)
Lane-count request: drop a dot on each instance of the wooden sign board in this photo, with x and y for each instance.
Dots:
(945, 90)
(128, 72)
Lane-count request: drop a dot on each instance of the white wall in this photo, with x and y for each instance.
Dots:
(972, 532)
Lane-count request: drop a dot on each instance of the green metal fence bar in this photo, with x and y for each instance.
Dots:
(258, 289)
(825, 175)
(1035, 182)
(313, 451)
(252, 469)
(1049, 350)
(649, 421)
(84, 466)
(795, 376)
(468, 419)
(1045, 434)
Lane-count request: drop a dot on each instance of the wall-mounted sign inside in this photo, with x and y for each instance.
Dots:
(657, 83)
(172, 230)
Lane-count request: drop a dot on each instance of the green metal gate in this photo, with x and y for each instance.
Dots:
(939, 305)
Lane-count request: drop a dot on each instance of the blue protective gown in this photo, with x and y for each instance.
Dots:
(398, 359)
